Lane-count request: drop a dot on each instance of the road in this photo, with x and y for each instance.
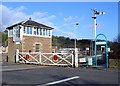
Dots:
(36, 75)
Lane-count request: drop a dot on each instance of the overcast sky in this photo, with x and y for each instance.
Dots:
(63, 15)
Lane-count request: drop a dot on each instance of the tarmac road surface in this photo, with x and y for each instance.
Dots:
(14, 74)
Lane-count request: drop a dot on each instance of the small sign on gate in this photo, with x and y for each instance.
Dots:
(55, 57)
(27, 56)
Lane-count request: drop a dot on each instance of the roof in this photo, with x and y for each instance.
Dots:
(30, 23)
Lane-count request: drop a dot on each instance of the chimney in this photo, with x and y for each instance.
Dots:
(29, 18)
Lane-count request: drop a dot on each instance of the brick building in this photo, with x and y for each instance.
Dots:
(28, 36)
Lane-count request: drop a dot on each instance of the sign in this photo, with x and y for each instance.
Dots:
(82, 59)
(89, 61)
(27, 56)
(87, 48)
(55, 57)
(100, 43)
(108, 49)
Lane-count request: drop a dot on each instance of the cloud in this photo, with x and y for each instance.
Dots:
(61, 32)
(11, 16)
(91, 26)
(70, 18)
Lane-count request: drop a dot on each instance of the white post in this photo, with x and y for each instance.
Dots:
(76, 57)
(17, 55)
(95, 22)
(40, 60)
(72, 59)
(76, 50)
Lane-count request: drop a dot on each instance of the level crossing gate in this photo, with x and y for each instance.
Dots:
(58, 59)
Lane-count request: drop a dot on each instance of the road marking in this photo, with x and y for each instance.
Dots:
(64, 80)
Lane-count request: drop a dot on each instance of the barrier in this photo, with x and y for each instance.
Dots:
(59, 59)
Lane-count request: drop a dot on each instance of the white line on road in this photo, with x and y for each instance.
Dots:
(56, 82)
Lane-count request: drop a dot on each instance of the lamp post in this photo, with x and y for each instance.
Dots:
(76, 51)
(75, 33)
(95, 27)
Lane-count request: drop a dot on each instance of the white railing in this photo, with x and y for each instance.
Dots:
(63, 59)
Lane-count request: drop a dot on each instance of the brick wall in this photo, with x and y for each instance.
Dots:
(29, 43)
(12, 49)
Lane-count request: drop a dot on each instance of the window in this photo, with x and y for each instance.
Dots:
(10, 33)
(28, 29)
(49, 32)
(46, 32)
(18, 33)
(24, 29)
(40, 31)
(37, 48)
(43, 31)
(35, 31)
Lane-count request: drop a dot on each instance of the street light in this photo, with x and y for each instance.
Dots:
(95, 19)
(75, 53)
(75, 33)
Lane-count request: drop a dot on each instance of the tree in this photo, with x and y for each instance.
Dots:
(119, 37)
(4, 38)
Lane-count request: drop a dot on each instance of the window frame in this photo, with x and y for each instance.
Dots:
(37, 47)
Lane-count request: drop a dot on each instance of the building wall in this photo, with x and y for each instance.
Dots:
(12, 49)
(29, 43)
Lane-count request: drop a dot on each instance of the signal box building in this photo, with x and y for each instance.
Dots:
(29, 36)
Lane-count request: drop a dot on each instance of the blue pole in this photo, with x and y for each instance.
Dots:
(95, 54)
(106, 54)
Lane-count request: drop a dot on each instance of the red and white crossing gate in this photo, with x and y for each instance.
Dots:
(59, 59)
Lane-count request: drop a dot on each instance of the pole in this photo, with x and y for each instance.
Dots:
(76, 50)
(107, 55)
(95, 23)
(75, 36)
(95, 27)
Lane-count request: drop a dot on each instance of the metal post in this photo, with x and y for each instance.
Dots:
(95, 54)
(106, 54)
